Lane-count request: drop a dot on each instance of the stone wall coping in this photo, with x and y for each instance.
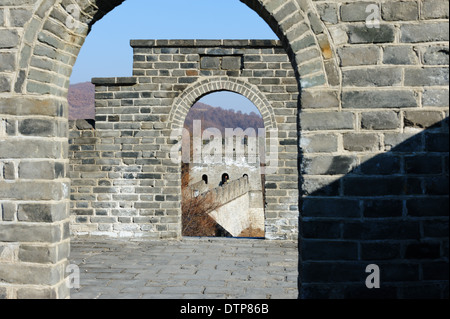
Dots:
(205, 43)
(122, 81)
(230, 191)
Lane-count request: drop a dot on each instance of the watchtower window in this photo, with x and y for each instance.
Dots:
(225, 179)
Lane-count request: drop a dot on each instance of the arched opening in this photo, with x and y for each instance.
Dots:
(205, 179)
(229, 146)
(275, 24)
(225, 179)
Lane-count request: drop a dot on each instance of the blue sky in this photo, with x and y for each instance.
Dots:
(107, 51)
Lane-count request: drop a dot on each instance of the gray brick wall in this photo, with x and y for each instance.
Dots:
(123, 180)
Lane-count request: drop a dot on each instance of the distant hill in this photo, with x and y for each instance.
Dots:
(81, 99)
(217, 117)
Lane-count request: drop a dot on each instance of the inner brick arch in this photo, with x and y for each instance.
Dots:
(203, 87)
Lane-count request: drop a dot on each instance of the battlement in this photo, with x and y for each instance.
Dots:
(205, 43)
(358, 93)
(231, 190)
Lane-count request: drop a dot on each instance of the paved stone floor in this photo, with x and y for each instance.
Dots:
(189, 269)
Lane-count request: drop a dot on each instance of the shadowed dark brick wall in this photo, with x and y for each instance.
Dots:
(391, 211)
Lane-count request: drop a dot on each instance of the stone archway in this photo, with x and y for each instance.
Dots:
(33, 99)
(209, 85)
(251, 215)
